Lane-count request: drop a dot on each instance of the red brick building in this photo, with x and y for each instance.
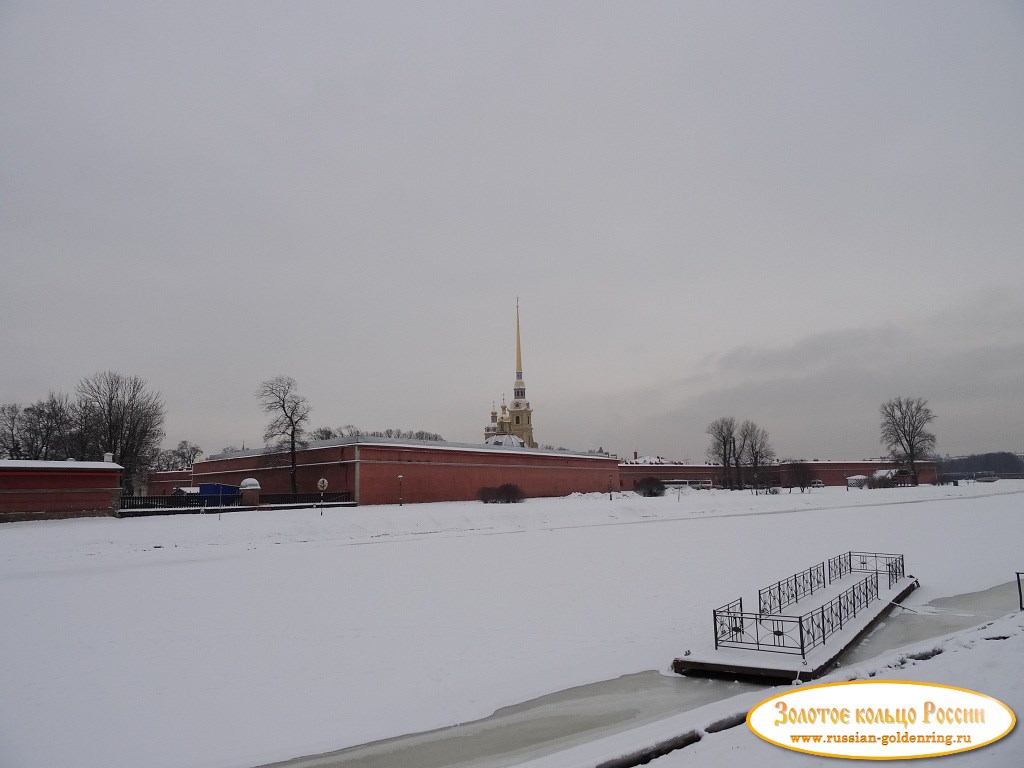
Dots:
(387, 471)
(631, 473)
(785, 474)
(33, 490)
(836, 472)
(370, 470)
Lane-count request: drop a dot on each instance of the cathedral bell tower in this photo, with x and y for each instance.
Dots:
(519, 412)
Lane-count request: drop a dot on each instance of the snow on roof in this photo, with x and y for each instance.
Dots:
(650, 460)
(407, 443)
(510, 441)
(64, 466)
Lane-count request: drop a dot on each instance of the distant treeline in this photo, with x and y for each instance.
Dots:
(349, 430)
(1001, 463)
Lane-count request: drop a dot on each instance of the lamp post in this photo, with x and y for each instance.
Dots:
(399, 490)
(609, 487)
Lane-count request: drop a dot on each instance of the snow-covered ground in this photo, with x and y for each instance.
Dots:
(258, 636)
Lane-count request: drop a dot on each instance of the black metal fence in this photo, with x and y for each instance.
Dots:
(839, 566)
(736, 606)
(184, 501)
(792, 634)
(878, 562)
(831, 617)
(775, 597)
(769, 630)
(306, 499)
(783, 634)
(214, 501)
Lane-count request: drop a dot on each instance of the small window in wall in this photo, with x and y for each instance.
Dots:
(517, 419)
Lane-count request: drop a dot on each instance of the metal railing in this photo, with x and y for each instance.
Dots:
(878, 562)
(736, 606)
(792, 634)
(184, 501)
(212, 501)
(775, 597)
(839, 566)
(307, 499)
(831, 617)
(770, 630)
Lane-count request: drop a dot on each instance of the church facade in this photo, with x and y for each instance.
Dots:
(513, 426)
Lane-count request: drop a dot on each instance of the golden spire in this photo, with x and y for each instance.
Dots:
(519, 349)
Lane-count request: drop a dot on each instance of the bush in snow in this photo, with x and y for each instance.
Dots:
(509, 493)
(650, 486)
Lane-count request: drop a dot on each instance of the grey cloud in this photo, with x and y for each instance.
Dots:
(691, 199)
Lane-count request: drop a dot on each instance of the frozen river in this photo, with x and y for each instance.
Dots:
(240, 640)
(549, 724)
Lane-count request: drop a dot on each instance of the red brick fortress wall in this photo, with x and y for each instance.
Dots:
(631, 474)
(430, 472)
(454, 474)
(32, 490)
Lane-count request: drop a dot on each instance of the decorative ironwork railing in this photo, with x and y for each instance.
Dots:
(736, 606)
(831, 617)
(867, 562)
(775, 597)
(754, 630)
(770, 630)
(878, 562)
(839, 566)
(792, 634)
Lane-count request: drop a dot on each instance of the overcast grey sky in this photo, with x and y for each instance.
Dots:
(788, 212)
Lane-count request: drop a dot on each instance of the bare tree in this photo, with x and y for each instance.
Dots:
(904, 424)
(323, 433)
(800, 474)
(10, 431)
(350, 430)
(179, 458)
(187, 453)
(117, 414)
(45, 426)
(165, 461)
(722, 432)
(290, 411)
(739, 451)
(757, 448)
